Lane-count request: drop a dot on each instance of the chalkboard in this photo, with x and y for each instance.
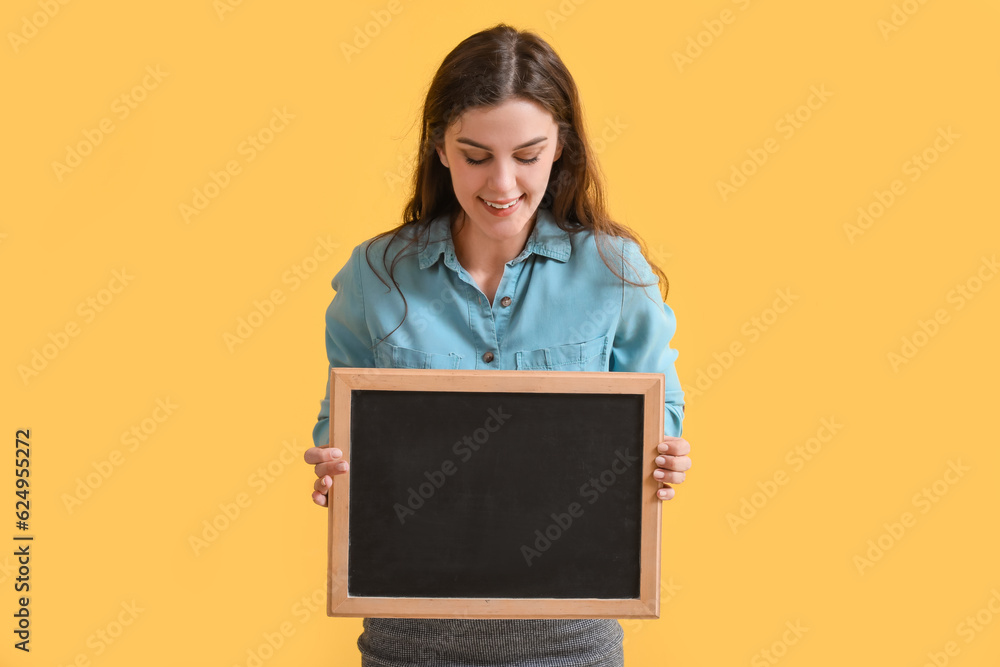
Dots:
(515, 494)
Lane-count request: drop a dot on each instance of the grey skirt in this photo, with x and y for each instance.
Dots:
(408, 642)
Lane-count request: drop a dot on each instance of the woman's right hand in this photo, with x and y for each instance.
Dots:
(328, 462)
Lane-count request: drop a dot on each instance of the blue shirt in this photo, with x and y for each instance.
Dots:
(557, 307)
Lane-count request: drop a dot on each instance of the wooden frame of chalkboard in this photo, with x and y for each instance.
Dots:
(495, 494)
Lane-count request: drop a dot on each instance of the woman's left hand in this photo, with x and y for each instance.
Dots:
(671, 463)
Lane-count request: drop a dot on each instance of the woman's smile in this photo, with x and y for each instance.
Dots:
(503, 207)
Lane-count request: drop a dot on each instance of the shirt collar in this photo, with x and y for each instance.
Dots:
(546, 239)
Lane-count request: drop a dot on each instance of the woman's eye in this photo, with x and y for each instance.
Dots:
(521, 160)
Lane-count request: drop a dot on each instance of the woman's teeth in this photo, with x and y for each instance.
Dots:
(501, 206)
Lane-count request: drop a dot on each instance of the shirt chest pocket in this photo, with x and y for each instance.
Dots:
(395, 356)
(591, 355)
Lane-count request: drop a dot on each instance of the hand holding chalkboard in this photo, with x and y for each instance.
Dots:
(328, 461)
(671, 463)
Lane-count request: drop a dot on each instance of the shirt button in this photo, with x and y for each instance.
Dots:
(488, 357)
(505, 301)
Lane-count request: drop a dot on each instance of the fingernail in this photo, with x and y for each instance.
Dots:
(660, 460)
(342, 465)
(658, 474)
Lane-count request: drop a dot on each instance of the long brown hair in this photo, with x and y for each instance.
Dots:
(485, 70)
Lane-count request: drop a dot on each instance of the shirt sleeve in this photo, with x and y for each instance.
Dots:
(642, 339)
(348, 342)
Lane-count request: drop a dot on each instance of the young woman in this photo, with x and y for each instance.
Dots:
(506, 259)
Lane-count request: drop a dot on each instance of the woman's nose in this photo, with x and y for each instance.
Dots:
(502, 178)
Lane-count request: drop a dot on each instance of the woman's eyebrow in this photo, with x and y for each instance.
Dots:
(466, 140)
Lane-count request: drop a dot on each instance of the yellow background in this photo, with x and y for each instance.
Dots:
(333, 173)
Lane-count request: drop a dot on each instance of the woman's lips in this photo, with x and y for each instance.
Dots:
(502, 212)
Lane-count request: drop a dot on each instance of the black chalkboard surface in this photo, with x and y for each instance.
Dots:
(495, 494)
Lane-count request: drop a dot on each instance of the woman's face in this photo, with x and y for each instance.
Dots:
(500, 159)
